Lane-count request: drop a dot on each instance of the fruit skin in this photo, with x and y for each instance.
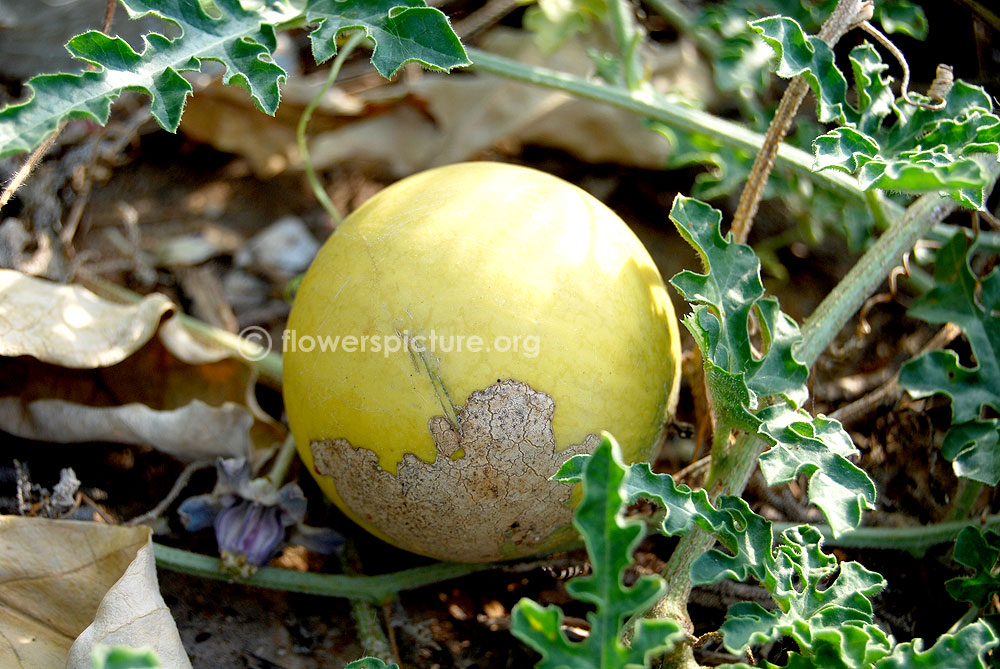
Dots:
(476, 249)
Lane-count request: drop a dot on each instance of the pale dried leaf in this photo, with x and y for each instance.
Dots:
(184, 346)
(54, 575)
(196, 431)
(133, 614)
(435, 119)
(69, 325)
(75, 367)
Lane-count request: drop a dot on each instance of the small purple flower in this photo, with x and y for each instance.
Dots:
(249, 535)
(251, 518)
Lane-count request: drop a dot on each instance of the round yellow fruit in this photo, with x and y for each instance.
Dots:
(461, 335)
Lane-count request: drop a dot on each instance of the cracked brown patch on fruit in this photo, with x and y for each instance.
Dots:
(487, 496)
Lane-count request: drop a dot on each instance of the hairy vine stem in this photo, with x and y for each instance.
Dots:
(374, 589)
(861, 281)
(366, 617)
(915, 539)
(847, 15)
(677, 116)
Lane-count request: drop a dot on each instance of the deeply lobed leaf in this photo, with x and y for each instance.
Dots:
(978, 551)
(922, 150)
(959, 297)
(610, 539)
(237, 38)
(744, 59)
(811, 57)
(818, 447)
(725, 297)
(403, 31)
(966, 649)
(820, 604)
(241, 39)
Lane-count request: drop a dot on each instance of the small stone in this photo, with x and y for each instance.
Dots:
(282, 250)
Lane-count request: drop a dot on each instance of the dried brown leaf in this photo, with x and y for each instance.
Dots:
(66, 585)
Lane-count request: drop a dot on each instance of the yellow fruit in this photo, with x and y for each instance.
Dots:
(456, 339)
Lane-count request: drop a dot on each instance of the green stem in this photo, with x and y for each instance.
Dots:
(677, 116)
(300, 132)
(868, 273)
(366, 617)
(916, 539)
(267, 362)
(282, 461)
(876, 205)
(965, 499)
(376, 589)
(728, 455)
(629, 38)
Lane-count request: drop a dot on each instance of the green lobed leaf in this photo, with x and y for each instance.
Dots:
(743, 60)
(748, 539)
(610, 539)
(745, 535)
(876, 99)
(809, 56)
(844, 149)
(742, 64)
(923, 150)
(819, 448)
(853, 646)
(236, 38)
(403, 31)
(966, 649)
(819, 601)
(978, 551)
(821, 604)
(724, 298)
(974, 449)
(682, 506)
(902, 16)
(241, 39)
(959, 297)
